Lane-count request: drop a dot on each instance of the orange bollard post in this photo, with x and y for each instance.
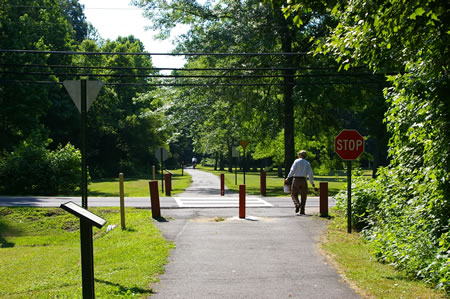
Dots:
(222, 184)
(167, 182)
(154, 199)
(262, 183)
(323, 199)
(242, 201)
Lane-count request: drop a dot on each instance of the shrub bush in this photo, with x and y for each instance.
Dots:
(365, 199)
(31, 169)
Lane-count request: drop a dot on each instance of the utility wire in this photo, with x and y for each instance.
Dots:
(197, 84)
(184, 76)
(175, 69)
(151, 54)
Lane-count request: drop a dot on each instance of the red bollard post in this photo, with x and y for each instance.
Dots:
(323, 199)
(242, 201)
(222, 184)
(262, 182)
(167, 183)
(154, 199)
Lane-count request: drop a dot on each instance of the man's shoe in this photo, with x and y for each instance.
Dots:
(297, 209)
(302, 212)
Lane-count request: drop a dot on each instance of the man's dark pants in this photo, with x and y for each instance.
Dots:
(299, 186)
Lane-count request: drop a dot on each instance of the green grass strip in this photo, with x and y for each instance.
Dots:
(351, 255)
(274, 184)
(137, 187)
(40, 254)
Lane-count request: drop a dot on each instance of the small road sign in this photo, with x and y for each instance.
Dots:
(349, 144)
(161, 154)
(244, 143)
(73, 87)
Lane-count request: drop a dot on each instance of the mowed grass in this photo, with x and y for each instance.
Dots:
(351, 256)
(274, 184)
(40, 254)
(137, 187)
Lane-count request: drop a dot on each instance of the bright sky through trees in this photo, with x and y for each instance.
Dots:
(113, 18)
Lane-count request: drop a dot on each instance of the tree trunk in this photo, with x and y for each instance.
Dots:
(221, 162)
(230, 157)
(216, 161)
(288, 91)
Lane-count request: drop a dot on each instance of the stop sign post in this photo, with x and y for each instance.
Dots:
(349, 145)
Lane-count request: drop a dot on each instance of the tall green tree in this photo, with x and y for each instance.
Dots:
(34, 25)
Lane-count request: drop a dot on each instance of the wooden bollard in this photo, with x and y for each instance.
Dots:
(167, 182)
(242, 201)
(262, 183)
(323, 199)
(122, 201)
(222, 184)
(154, 199)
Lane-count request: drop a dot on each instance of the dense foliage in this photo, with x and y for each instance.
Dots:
(123, 130)
(33, 169)
(406, 211)
(309, 103)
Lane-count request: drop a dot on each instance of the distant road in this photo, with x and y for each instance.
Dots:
(204, 192)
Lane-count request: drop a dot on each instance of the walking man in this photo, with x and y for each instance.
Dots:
(300, 170)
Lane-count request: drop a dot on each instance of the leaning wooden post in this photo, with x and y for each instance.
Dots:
(154, 199)
(122, 201)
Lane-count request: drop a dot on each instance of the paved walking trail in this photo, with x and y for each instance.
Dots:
(273, 253)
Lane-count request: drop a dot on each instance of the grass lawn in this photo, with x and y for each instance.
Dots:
(137, 187)
(274, 184)
(351, 256)
(40, 254)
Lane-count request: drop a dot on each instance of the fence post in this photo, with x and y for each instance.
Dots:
(262, 182)
(122, 201)
(154, 199)
(242, 201)
(222, 184)
(323, 199)
(154, 172)
(167, 182)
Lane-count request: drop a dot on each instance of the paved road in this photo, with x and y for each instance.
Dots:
(204, 192)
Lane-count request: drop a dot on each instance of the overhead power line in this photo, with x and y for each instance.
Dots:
(196, 84)
(176, 69)
(241, 76)
(150, 54)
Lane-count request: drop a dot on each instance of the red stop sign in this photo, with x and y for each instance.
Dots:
(349, 144)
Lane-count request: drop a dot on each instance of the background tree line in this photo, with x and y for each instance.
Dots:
(37, 115)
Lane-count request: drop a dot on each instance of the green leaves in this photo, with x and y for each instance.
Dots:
(418, 12)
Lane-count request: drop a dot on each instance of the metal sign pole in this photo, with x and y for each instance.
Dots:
(162, 176)
(245, 163)
(87, 259)
(236, 161)
(84, 203)
(349, 197)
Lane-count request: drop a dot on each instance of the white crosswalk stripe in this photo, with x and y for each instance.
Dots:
(219, 202)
